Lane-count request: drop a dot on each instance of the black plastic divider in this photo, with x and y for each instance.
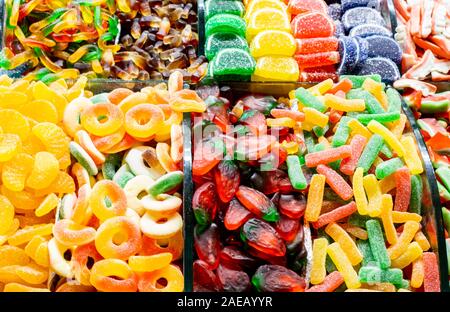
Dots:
(188, 188)
(201, 26)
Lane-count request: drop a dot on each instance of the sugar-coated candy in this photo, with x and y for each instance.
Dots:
(382, 66)
(361, 15)
(324, 25)
(366, 30)
(219, 41)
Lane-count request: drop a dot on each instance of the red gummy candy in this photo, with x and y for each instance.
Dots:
(261, 236)
(207, 245)
(276, 181)
(204, 278)
(227, 179)
(204, 203)
(315, 45)
(236, 215)
(303, 6)
(292, 206)
(317, 59)
(234, 258)
(312, 25)
(280, 260)
(250, 147)
(255, 121)
(318, 74)
(287, 228)
(233, 280)
(257, 203)
(275, 278)
(207, 155)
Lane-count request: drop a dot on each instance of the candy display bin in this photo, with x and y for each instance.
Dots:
(431, 214)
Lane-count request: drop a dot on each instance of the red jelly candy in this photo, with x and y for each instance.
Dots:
(227, 179)
(273, 160)
(258, 203)
(236, 215)
(275, 278)
(255, 121)
(262, 237)
(303, 6)
(315, 45)
(204, 203)
(280, 260)
(263, 104)
(207, 155)
(250, 147)
(207, 245)
(312, 25)
(287, 228)
(317, 59)
(270, 182)
(204, 278)
(233, 280)
(296, 247)
(234, 258)
(292, 206)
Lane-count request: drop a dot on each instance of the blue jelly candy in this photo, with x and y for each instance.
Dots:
(348, 50)
(350, 4)
(365, 30)
(335, 11)
(363, 49)
(385, 67)
(359, 16)
(339, 29)
(220, 41)
(381, 46)
(232, 64)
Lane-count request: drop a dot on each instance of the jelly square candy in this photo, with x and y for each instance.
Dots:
(303, 6)
(232, 64)
(385, 67)
(358, 16)
(225, 23)
(365, 30)
(265, 19)
(276, 68)
(384, 47)
(314, 45)
(312, 25)
(223, 7)
(317, 59)
(272, 42)
(220, 41)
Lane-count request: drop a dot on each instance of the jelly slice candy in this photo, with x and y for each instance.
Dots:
(339, 29)
(258, 203)
(317, 59)
(363, 49)
(384, 67)
(348, 51)
(335, 11)
(358, 16)
(276, 68)
(381, 46)
(256, 5)
(262, 237)
(275, 278)
(231, 63)
(365, 30)
(272, 42)
(350, 4)
(312, 25)
(225, 23)
(304, 6)
(207, 244)
(223, 7)
(315, 45)
(265, 19)
(220, 41)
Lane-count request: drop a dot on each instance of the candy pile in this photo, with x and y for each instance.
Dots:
(365, 44)
(316, 52)
(112, 170)
(424, 34)
(102, 38)
(331, 163)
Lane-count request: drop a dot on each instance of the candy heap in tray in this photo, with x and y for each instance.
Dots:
(111, 39)
(321, 191)
(424, 34)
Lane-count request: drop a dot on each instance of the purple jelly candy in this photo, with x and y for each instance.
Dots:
(366, 30)
(350, 4)
(335, 11)
(385, 67)
(381, 46)
(359, 16)
(348, 50)
(363, 49)
(339, 29)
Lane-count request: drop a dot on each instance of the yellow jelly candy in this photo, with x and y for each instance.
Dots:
(53, 138)
(48, 204)
(26, 234)
(62, 184)
(45, 170)
(256, 5)
(32, 273)
(10, 145)
(12, 255)
(17, 287)
(40, 111)
(41, 91)
(273, 42)
(276, 68)
(16, 171)
(6, 215)
(150, 263)
(267, 18)
(14, 122)
(23, 199)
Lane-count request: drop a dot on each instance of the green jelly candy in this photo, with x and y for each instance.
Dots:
(219, 41)
(358, 81)
(319, 147)
(368, 258)
(394, 100)
(123, 175)
(377, 244)
(433, 107)
(295, 172)
(309, 142)
(415, 201)
(386, 151)
(446, 217)
(373, 274)
(404, 284)
(309, 100)
(340, 137)
(388, 167)
(111, 164)
(381, 118)
(100, 98)
(443, 191)
(443, 173)
(447, 244)
(83, 158)
(372, 104)
(213, 8)
(358, 220)
(319, 131)
(232, 64)
(168, 182)
(225, 23)
(370, 152)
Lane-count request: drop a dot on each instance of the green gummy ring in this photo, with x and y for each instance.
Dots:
(166, 183)
(83, 158)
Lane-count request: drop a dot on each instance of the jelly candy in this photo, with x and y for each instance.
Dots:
(204, 203)
(207, 244)
(301, 25)
(275, 278)
(257, 203)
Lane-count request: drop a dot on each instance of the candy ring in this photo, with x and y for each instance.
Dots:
(81, 212)
(148, 282)
(102, 276)
(81, 175)
(161, 227)
(123, 175)
(103, 191)
(69, 233)
(142, 121)
(66, 205)
(134, 190)
(187, 101)
(133, 215)
(133, 100)
(118, 95)
(81, 262)
(83, 158)
(118, 237)
(174, 245)
(150, 263)
(162, 204)
(85, 141)
(150, 167)
(102, 119)
(104, 143)
(58, 263)
(66, 287)
(126, 143)
(175, 82)
(176, 143)
(71, 118)
(171, 117)
(112, 163)
(163, 155)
